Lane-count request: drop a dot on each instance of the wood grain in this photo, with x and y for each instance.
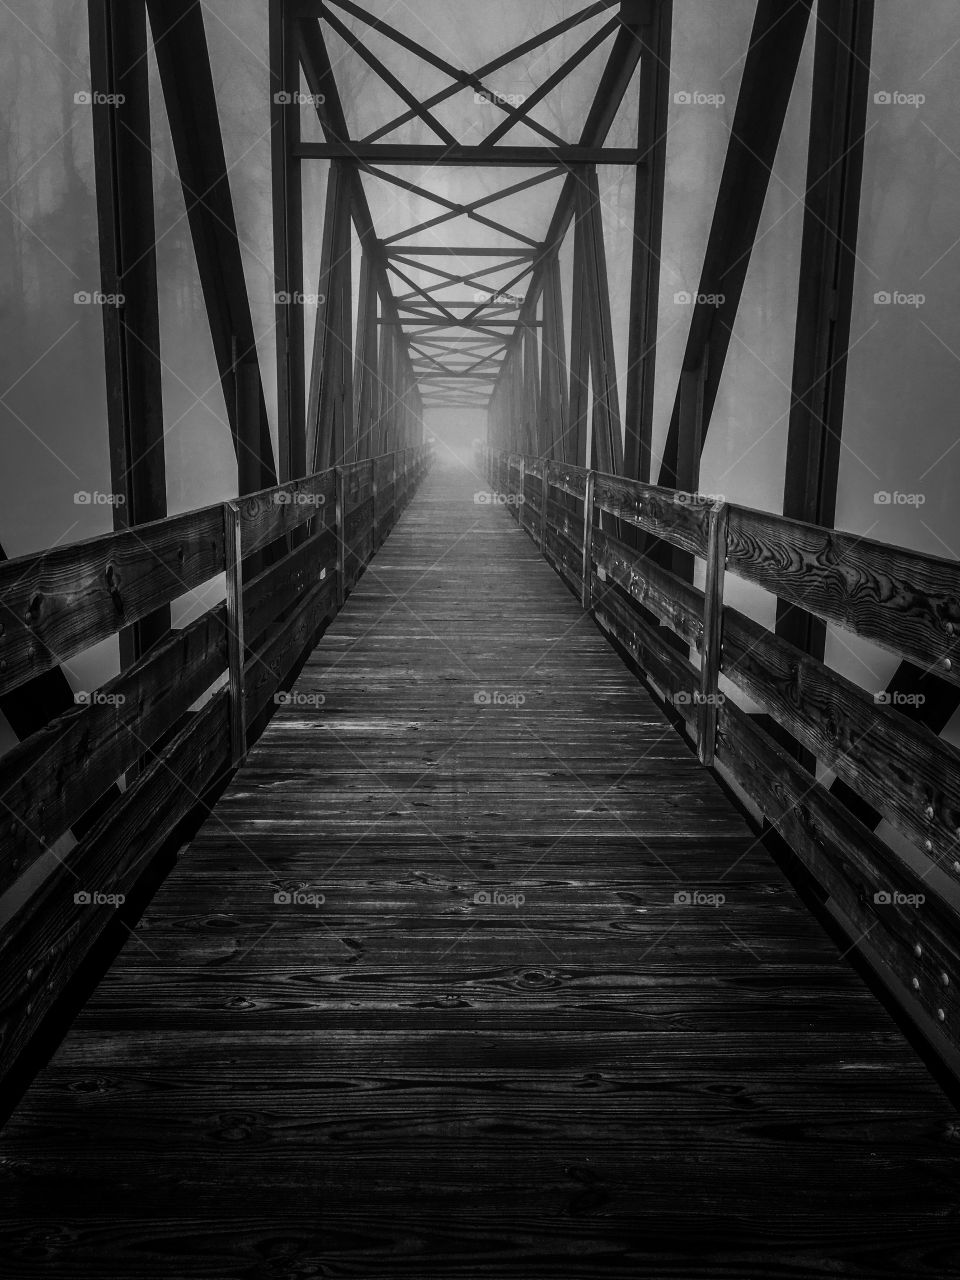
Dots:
(58, 603)
(408, 1081)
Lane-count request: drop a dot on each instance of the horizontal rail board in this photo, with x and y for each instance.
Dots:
(43, 945)
(916, 941)
(675, 674)
(681, 519)
(278, 587)
(900, 767)
(271, 513)
(675, 602)
(57, 604)
(902, 600)
(53, 777)
(266, 670)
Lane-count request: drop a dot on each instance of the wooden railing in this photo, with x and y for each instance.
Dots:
(179, 719)
(902, 911)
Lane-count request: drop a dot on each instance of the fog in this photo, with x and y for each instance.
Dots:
(900, 433)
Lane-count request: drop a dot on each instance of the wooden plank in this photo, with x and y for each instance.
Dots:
(271, 513)
(904, 771)
(902, 600)
(911, 927)
(60, 602)
(267, 669)
(674, 601)
(55, 775)
(682, 519)
(675, 675)
(580, 1084)
(266, 597)
(47, 939)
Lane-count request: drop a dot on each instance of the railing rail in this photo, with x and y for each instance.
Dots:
(181, 715)
(904, 912)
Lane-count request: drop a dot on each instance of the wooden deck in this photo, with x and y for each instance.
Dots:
(584, 1076)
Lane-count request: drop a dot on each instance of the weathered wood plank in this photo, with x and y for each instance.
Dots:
(46, 940)
(60, 602)
(271, 513)
(900, 599)
(905, 771)
(51, 778)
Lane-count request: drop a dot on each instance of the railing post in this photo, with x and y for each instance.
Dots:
(521, 496)
(233, 563)
(586, 596)
(373, 520)
(712, 632)
(544, 498)
(341, 535)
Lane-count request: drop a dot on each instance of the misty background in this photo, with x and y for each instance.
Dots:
(901, 424)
